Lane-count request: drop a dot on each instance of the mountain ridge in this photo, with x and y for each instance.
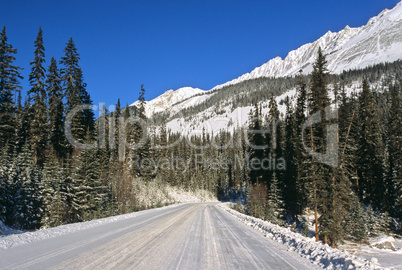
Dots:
(377, 41)
(341, 48)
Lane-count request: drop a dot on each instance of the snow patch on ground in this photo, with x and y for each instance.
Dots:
(385, 257)
(156, 193)
(318, 253)
(182, 196)
(381, 239)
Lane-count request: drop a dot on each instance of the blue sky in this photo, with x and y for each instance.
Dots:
(171, 44)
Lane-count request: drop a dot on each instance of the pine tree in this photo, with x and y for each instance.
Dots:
(337, 203)
(59, 203)
(114, 134)
(25, 179)
(69, 72)
(67, 189)
(319, 86)
(163, 151)
(274, 208)
(128, 132)
(314, 173)
(394, 190)
(54, 191)
(371, 149)
(8, 187)
(87, 190)
(290, 177)
(256, 147)
(141, 100)
(48, 189)
(142, 138)
(75, 93)
(23, 126)
(104, 152)
(9, 86)
(37, 100)
(88, 116)
(300, 118)
(272, 137)
(348, 137)
(337, 206)
(355, 225)
(56, 139)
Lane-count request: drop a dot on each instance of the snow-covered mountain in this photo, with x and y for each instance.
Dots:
(380, 40)
(168, 99)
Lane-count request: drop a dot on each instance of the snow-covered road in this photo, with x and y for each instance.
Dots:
(189, 236)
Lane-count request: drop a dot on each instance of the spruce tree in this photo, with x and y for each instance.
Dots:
(394, 190)
(142, 138)
(163, 151)
(23, 126)
(9, 85)
(355, 225)
(104, 152)
(69, 72)
(48, 189)
(256, 146)
(56, 139)
(338, 204)
(274, 208)
(54, 191)
(75, 93)
(300, 118)
(272, 137)
(25, 179)
(87, 190)
(128, 133)
(371, 149)
(114, 134)
(290, 191)
(88, 116)
(348, 137)
(314, 173)
(8, 187)
(38, 100)
(319, 85)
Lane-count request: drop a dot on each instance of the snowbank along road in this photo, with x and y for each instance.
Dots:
(189, 236)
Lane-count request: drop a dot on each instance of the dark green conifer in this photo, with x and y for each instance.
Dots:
(256, 146)
(37, 102)
(371, 149)
(9, 85)
(394, 186)
(57, 142)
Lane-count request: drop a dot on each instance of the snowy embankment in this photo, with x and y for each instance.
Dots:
(318, 253)
(10, 237)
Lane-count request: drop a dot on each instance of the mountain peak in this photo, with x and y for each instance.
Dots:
(378, 41)
(167, 99)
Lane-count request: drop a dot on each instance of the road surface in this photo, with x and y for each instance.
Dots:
(190, 236)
